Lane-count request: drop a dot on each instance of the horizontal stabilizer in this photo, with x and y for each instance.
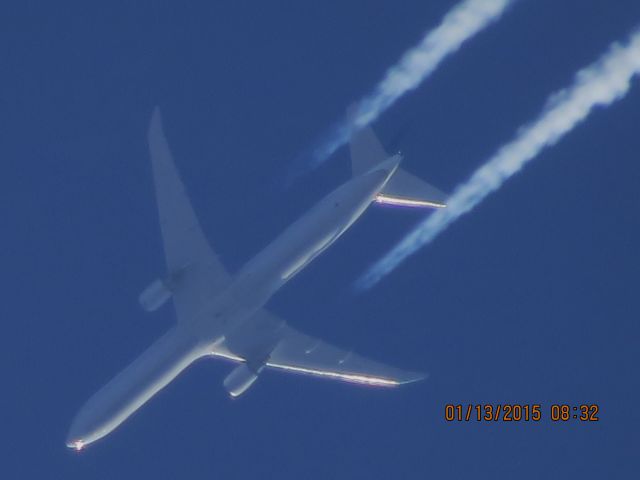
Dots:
(406, 190)
(403, 188)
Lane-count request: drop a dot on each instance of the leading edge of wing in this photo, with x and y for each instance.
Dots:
(362, 379)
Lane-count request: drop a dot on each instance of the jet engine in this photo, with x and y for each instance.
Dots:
(240, 379)
(155, 295)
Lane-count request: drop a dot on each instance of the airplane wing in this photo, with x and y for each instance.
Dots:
(300, 353)
(267, 339)
(194, 269)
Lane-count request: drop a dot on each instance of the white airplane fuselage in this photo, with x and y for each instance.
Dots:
(251, 288)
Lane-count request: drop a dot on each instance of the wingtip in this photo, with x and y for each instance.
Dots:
(414, 377)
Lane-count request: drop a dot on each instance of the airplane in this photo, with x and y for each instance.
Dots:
(224, 315)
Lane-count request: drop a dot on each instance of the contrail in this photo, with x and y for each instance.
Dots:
(459, 24)
(602, 83)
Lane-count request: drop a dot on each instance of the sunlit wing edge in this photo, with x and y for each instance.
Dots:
(362, 379)
(407, 202)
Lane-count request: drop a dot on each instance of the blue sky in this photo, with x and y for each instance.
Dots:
(529, 299)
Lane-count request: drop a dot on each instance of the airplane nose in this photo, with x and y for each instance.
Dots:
(75, 443)
(75, 438)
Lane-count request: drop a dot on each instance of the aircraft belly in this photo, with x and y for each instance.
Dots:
(308, 237)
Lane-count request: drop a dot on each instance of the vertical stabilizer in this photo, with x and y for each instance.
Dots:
(366, 151)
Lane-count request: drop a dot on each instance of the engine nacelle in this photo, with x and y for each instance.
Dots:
(240, 379)
(155, 295)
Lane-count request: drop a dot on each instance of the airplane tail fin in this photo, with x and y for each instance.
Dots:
(403, 188)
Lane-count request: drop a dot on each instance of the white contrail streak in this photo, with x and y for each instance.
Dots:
(600, 84)
(460, 24)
